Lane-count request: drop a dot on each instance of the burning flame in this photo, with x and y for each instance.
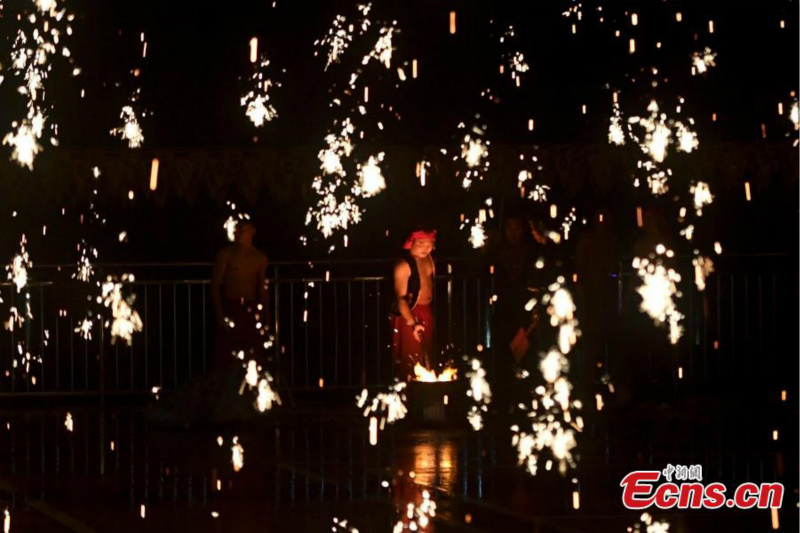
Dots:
(430, 376)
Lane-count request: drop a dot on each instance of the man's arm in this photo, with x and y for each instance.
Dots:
(263, 292)
(401, 274)
(217, 275)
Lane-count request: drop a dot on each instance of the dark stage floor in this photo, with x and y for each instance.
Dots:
(304, 467)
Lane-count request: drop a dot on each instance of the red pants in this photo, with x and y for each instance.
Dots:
(406, 350)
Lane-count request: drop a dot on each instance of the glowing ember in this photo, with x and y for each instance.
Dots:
(389, 407)
(18, 268)
(647, 524)
(552, 423)
(703, 267)
(659, 285)
(237, 455)
(85, 329)
(371, 180)
(431, 376)
(68, 422)
(130, 130)
(24, 143)
(480, 392)
(256, 101)
(702, 196)
(383, 48)
(126, 320)
(702, 61)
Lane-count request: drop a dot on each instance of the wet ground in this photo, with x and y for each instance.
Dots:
(304, 467)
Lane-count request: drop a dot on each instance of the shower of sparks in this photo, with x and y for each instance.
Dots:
(480, 392)
(658, 133)
(477, 235)
(653, 134)
(85, 270)
(237, 455)
(340, 34)
(702, 61)
(703, 267)
(30, 60)
(233, 221)
(126, 320)
(702, 196)
(130, 130)
(370, 177)
(18, 268)
(68, 422)
(616, 135)
(416, 517)
(646, 524)
(85, 329)
(383, 48)
(659, 285)
(24, 141)
(266, 395)
(384, 408)
(553, 425)
(475, 153)
(513, 61)
(687, 139)
(256, 100)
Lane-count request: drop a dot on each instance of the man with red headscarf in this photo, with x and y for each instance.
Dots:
(413, 321)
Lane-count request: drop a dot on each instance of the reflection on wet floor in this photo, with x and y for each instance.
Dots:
(302, 469)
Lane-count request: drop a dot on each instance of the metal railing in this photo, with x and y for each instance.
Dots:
(332, 331)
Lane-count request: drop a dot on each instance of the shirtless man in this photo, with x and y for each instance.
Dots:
(413, 322)
(239, 294)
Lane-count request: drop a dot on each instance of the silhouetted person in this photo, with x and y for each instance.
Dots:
(239, 294)
(596, 263)
(413, 322)
(514, 266)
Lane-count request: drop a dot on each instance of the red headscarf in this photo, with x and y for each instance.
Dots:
(419, 235)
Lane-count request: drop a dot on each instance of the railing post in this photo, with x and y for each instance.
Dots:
(276, 318)
(102, 364)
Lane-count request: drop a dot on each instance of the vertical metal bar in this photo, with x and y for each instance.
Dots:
(175, 335)
(291, 328)
(41, 333)
(58, 357)
(733, 327)
(276, 320)
(71, 355)
(146, 343)
(349, 334)
(305, 330)
(363, 334)
(189, 328)
(335, 335)
(378, 350)
(160, 337)
(321, 322)
(205, 338)
(464, 313)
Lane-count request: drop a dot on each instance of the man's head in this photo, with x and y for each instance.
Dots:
(514, 230)
(421, 243)
(245, 230)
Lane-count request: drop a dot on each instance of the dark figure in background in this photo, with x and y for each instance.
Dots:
(597, 266)
(239, 294)
(512, 326)
(413, 322)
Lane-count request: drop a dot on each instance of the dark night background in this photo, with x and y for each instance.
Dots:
(190, 82)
